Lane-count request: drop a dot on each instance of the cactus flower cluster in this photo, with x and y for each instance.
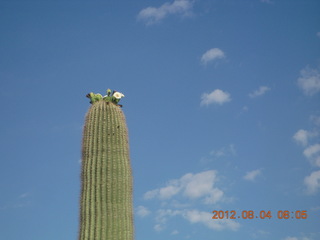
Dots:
(112, 96)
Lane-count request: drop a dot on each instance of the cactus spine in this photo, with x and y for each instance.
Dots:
(106, 193)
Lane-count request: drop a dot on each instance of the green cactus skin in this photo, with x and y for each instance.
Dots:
(106, 211)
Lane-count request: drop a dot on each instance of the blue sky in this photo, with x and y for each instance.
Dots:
(221, 100)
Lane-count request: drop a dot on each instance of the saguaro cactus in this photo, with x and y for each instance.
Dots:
(106, 193)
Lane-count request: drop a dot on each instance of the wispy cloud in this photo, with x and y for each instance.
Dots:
(309, 81)
(318, 34)
(259, 92)
(212, 54)
(20, 202)
(194, 216)
(251, 176)
(312, 182)
(224, 151)
(312, 153)
(142, 211)
(303, 137)
(205, 218)
(152, 15)
(158, 227)
(162, 217)
(312, 150)
(309, 140)
(191, 186)
(215, 97)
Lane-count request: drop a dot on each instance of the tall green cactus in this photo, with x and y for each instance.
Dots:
(106, 194)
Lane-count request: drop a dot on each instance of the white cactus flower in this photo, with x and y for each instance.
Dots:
(118, 95)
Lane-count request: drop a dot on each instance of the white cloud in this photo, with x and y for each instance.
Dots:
(164, 193)
(198, 185)
(194, 216)
(309, 81)
(151, 194)
(158, 227)
(301, 137)
(205, 218)
(169, 191)
(312, 182)
(192, 186)
(212, 54)
(202, 185)
(215, 196)
(153, 15)
(251, 176)
(195, 188)
(162, 217)
(218, 153)
(262, 90)
(217, 96)
(312, 150)
(142, 211)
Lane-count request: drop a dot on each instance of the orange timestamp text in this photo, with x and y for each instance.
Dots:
(250, 214)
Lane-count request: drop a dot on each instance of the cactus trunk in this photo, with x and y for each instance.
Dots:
(106, 193)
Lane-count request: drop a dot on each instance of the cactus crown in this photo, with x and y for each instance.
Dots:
(112, 96)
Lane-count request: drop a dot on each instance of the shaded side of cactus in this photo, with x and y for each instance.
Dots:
(106, 194)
